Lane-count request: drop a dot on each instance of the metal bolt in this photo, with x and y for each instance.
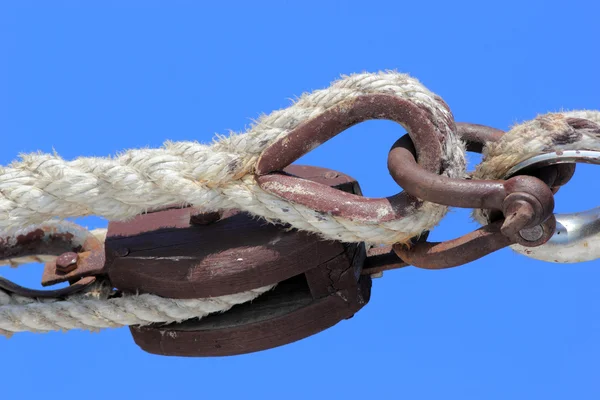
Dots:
(331, 174)
(532, 234)
(66, 262)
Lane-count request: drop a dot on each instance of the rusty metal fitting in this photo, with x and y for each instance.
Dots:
(80, 257)
(467, 248)
(525, 200)
(577, 236)
(385, 258)
(477, 136)
(381, 259)
(528, 203)
(66, 262)
(428, 142)
(452, 253)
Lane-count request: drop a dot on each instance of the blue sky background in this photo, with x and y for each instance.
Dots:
(95, 78)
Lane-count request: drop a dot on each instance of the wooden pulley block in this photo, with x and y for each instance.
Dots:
(179, 253)
(297, 308)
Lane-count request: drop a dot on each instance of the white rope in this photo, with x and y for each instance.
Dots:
(95, 310)
(217, 176)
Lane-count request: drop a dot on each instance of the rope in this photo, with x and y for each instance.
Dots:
(574, 130)
(217, 176)
(95, 310)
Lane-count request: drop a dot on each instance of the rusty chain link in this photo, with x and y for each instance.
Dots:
(524, 203)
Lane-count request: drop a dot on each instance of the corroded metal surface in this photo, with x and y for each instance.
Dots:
(80, 257)
(577, 236)
(525, 201)
(427, 138)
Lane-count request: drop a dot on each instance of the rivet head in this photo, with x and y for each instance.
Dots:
(532, 234)
(66, 262)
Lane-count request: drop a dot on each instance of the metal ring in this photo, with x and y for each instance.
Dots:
(427, 138)
(577, 235)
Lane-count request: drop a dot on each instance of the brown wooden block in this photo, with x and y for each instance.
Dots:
(178, 254)
(297, 308)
